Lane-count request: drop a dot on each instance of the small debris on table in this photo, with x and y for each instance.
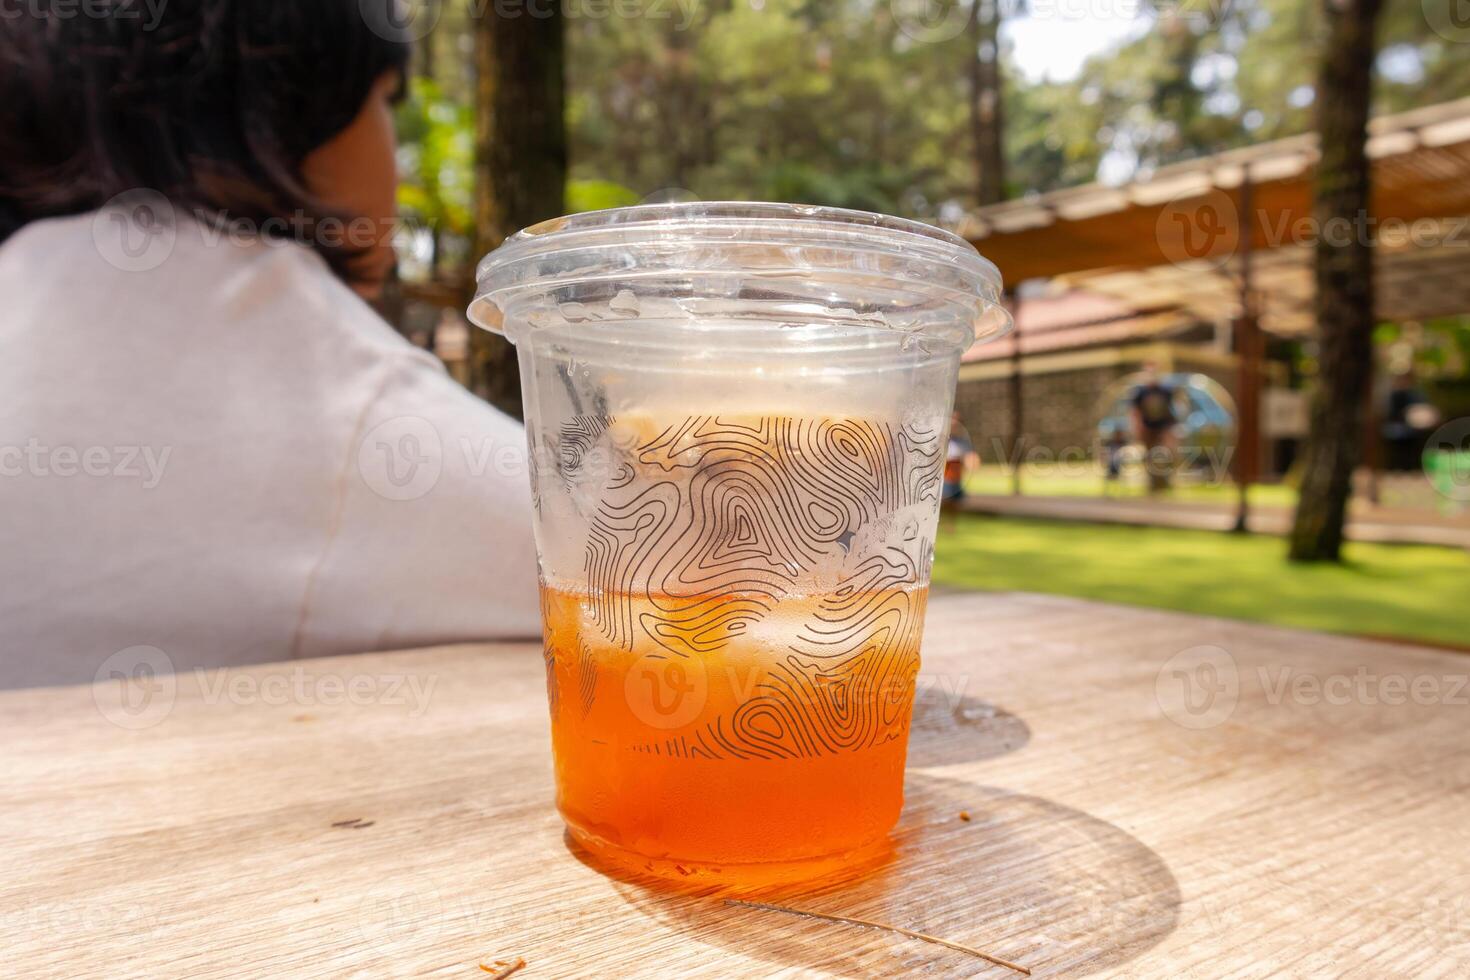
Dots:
(501, 969)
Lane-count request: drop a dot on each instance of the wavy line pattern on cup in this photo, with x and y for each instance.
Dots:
(704, 527)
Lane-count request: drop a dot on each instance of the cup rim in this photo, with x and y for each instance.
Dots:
(514, 270)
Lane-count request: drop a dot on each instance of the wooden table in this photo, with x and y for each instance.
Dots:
(1151, 795)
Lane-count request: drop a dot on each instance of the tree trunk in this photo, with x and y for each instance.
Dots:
(520, 155)
(987, 132)
(1344, 279)
(986, 120)
(424, 52)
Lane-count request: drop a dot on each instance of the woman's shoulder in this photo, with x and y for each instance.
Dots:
(199, 275)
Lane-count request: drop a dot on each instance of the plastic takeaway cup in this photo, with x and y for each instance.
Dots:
(737, 418)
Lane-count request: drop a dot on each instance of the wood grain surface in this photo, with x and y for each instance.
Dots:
(1149, 794)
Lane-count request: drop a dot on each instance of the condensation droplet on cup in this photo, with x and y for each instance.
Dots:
(625, 303)
(575, 312)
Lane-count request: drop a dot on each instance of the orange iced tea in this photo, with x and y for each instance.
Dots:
(724, 737)
(736, 418)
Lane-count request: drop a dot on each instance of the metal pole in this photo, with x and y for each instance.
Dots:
(1372, 437)
(1248, 350)
(1017, 429)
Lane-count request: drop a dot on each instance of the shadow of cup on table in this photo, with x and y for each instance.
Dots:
(949, 729)
(1025, 879)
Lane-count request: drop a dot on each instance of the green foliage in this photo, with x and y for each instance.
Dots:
(436, 159)
(820, 103)
(1437, 348)
(833, 103)
(598, 195)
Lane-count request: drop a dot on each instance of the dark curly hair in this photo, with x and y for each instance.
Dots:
(212, 103)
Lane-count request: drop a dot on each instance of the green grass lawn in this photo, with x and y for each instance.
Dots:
(1413, 592)
(1080, 480)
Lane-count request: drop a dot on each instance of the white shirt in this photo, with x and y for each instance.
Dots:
(213, 448)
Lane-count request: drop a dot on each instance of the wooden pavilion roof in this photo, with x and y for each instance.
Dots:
(1174, 238)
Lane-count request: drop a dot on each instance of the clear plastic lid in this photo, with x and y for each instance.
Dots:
(702, 263)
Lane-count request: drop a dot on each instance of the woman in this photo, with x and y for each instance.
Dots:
(210, 446)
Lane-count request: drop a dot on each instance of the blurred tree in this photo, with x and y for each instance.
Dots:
(1052, 137)
(1418, 65)
(827, 103)
(436, 171)
(520, 155)
(986, 104)
(425, 61)
(1344, 280)
(1211, 76)
(841, 102)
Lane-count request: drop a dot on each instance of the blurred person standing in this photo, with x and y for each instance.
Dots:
(960, 459)
(1112, 451)
(1153, 425)
(1407, 422)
